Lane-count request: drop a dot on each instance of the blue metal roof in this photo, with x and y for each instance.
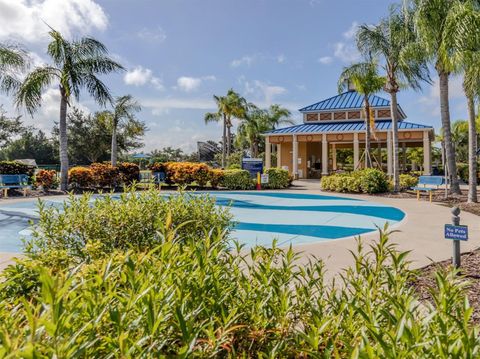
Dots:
(355, 126)
(346, 100)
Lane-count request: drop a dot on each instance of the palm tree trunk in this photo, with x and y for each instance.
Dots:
(114, 145)
(229, 139)
(368, 163)
(472, 151)
(396, 162)
(445, 115)
(63, 141)
(224, 141)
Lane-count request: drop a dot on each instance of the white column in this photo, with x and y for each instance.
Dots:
(427, 163)
(268, 153)
(279, 155)
(324, 155)
(389, 154)
(295, 157)
(356, 151)
(334, 157)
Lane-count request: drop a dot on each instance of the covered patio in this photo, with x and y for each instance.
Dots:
(333, 129)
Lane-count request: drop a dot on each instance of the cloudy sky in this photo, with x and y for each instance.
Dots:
(178, 53)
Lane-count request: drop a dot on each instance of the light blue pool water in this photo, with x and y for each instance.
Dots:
(291, 218)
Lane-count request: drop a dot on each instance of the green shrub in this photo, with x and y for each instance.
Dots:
(407, 181)
(462, 171)
(129, 173)
(86, 228)
(16, 168)
(199, 299)
(277, 178)
(373, 180)
(361, 181)
(215, 177)
(237, 179)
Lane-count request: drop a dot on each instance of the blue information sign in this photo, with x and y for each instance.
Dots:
(458, 233)
(252, 165)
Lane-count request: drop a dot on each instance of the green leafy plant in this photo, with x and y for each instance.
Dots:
(407, 181)
(237, 179)
(277, 178)
(16, 168)
(368, 180)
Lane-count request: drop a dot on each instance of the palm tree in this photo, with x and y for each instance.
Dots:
(279, 116)
(76, 65)
(250, 129)
(462, 36)
(13, 60)
(365, 79)
(431, 23)
(228, 107)
(124, 109)
(392, 40)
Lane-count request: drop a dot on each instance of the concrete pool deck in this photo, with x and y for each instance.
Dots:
(420, 232)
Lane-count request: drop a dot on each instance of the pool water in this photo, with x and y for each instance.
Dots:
(291, 218)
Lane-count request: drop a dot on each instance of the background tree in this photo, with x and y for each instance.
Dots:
(462, 36)
(365, 79)
(32, 144)
(392, 41)
(13, 61)
(75, 66)
(228, 107)
(9, 128)
(431, 23)
(123, 116)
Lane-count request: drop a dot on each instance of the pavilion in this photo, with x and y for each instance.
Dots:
(309, 150)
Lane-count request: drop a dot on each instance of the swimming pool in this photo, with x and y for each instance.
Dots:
(291, 218)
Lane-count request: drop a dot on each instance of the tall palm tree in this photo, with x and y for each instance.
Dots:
(13, 60)
(76, 65)
(255, 122)
(124, 110)
(462, 36)
(364, 77)
(230, 106)
(431, 24)
(279, 116)
(392, 40)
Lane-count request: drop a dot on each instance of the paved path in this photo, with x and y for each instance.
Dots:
(421, 232)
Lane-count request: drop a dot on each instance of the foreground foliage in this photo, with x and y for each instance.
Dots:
(145, 284)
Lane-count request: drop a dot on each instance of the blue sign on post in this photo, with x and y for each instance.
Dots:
(252, 165)
(458, 233)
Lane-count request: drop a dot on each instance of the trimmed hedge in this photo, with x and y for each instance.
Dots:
(129, 173)
(80, 177)
(368, 180)
(237, 179)
(277, 178)
(104, 175)
(47, 179)
(16, 168)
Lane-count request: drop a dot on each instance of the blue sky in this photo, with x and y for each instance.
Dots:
(178, 53)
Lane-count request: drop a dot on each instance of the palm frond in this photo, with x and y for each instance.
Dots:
(30, 92)
(97, 89)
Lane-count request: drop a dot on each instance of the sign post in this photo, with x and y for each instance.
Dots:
(457, 233)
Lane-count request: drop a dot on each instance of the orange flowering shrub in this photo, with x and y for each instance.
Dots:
(104, 174)
(183, 173)
(80, 177)
(129, 172)
(47, 179)
(216, 176)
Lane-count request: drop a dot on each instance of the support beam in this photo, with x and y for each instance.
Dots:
(404, 149)
(295, 157)
(268, 153)
(324, 155)
(356, 151)
(427, 163)
(389, 154)
(279, 155)
(334, 157)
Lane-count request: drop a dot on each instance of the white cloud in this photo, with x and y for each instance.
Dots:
(281, 59)
(163, 105)
(325, 60)
(157, 35)
(140, 76)
(189, 84)
(431, 102)
(262, 91)
(246, 60)
(346, 52)
(26, 20)
(352, 31)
